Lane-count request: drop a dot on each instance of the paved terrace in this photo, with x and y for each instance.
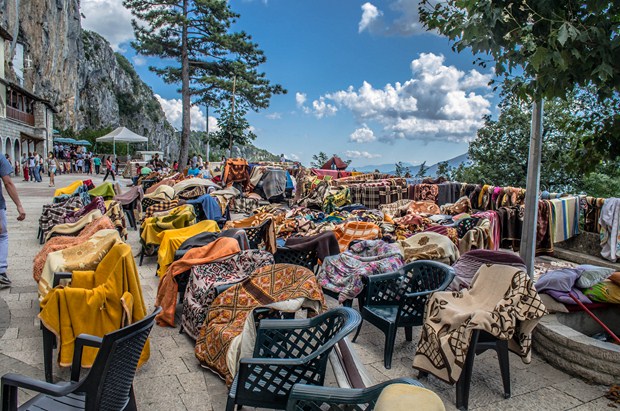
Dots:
(173, 379)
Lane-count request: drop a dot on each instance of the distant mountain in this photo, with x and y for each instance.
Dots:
(413, 170)
(383, 168)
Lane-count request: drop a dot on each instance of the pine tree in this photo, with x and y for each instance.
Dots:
(205, 56)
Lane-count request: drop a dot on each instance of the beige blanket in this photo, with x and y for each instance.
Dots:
(429, 246)
(73, 228)
(85, 256)
(501, 301)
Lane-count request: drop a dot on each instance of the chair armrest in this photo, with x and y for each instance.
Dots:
(442, 287)
(302, 394)
(63, 275)
(82, 340)
(21, 381)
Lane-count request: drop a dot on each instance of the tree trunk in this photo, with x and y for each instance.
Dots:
(234, 122)
(185, 97)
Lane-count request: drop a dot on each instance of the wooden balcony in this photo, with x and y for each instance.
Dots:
(20, 116)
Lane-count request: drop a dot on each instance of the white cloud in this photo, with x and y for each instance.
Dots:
(108, 18)
(274, 116)
(173, 110)
(439, 102)
(360, 154)
(362, 135)
(138, 60)
(323, 109)
(370, 17)
(300, 99)
(292, 156)
(401, 19)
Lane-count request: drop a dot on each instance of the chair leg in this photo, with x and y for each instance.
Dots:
(347, 303)
(230, 404)
(48, 348)
(359, 328)
(462, 385)
(409, 333)
(131, 406)
(141, 255)
(388, 351)
(504, 365)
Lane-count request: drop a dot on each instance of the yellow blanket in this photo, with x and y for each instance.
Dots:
(96, 303)
(170, 240)
(70, 189)
(179, 217)
(85, 256)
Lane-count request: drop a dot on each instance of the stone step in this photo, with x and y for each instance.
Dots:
(583, 258)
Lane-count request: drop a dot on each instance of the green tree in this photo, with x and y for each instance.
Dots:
(422, 170)
(318, 160)
(401, 169)
(444, 170)
(198, 50)
(548, 47)
(500, 151)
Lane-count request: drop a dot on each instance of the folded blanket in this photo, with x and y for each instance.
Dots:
(192, 182)
(161, 193)
(96, 303)
(117, 215)
(228, 312)
(62, 242)
(97, 203)
(210, 206)
(502, 302)
(132, 194)
(74, 228)
(105, 190)
(70, 189)
(179, 217)
(203, 279)
(325, 244)
(355, 230)
(468, 264)
(429, 246)
(344, 273)
(168, 287)
(84, 256)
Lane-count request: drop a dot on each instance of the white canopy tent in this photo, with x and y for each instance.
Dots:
(122, 135)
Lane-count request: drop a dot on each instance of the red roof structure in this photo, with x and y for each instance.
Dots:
(334, 163)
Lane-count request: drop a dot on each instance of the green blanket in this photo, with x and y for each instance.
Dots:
(105, 190)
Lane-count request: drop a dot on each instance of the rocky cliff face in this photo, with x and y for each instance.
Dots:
(90, 85)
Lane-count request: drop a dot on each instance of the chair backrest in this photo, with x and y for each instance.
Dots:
(305, 258)
(305, 343)
(108, 384)
(423, 277)
(256, 235)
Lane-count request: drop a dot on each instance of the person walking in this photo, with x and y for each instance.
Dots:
(97, 163)
(109, 169)
(31, 166)
(5, 175)
(52, 167)
(36, 167)
(25, 166)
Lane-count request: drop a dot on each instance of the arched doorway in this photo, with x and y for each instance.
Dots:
(8, 149)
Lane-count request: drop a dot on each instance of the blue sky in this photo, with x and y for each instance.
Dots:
(364, 80)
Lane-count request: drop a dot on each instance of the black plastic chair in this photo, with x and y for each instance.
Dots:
(313, 398)
(288, 352)
(306, 258)
(107, 386)
(129, 210)
(257, 235)
(397, 299)
(480, 342)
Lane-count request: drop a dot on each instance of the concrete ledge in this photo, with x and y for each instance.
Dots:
(576, 353)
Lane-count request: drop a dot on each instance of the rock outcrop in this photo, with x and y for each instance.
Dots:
(78, 72)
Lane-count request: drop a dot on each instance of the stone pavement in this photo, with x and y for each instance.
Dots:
(173, 379)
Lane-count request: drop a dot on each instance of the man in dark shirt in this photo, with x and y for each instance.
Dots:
(5, 174)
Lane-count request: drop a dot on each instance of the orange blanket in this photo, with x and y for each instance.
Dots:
(355, 230)
(168, 287)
